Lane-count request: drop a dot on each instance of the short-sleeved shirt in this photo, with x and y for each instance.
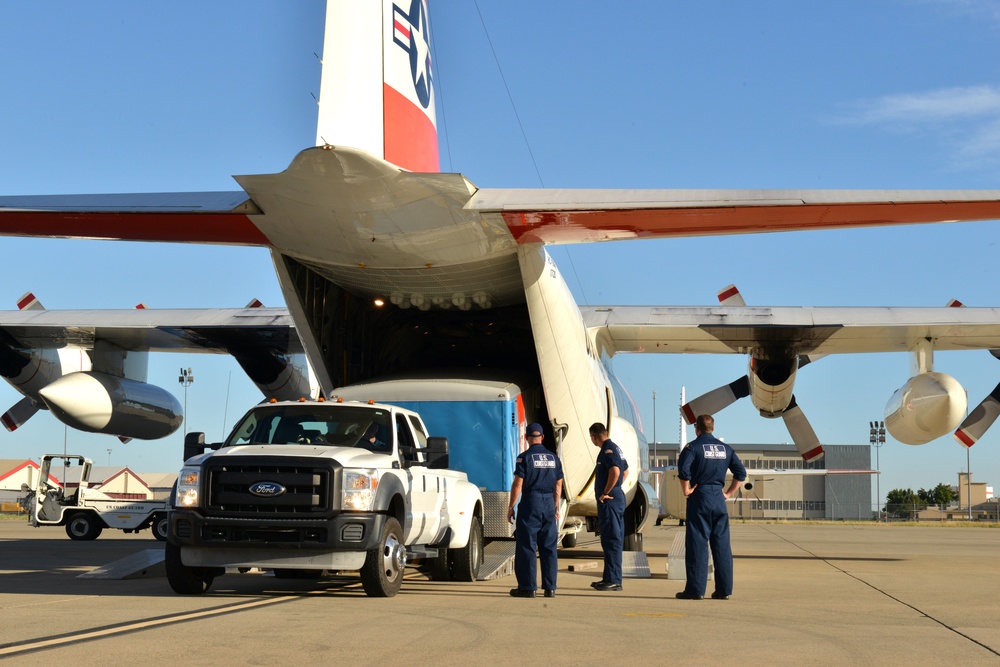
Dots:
(611, 456)
(539, 468)
(706, 460)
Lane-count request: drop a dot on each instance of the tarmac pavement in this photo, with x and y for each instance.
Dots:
(816, 594)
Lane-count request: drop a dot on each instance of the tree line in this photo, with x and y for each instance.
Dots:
(902, 502)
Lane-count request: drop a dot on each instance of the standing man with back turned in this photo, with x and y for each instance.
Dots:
(538, 479)
(609, 474)
(702, 468)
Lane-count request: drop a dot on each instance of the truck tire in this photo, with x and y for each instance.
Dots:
(84, 526)
(183, 579)
(633, 542)
(569, 540)
(465, 562)
(160, 527)
(382, 573)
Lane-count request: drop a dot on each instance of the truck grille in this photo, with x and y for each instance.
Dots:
(252, 488)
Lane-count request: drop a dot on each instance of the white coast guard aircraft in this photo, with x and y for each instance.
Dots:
(469, 284)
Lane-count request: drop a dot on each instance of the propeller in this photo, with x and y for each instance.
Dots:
(983, 415)
(19, 413)
(802, 432)
(980, 419)
(799, 428)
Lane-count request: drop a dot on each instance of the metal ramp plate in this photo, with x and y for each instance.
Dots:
(145, 563)
(635, 565)
(675, 560)
(498, 560)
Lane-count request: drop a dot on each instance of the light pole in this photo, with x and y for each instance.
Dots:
(109, 458)
(186, 378)
(876, 436)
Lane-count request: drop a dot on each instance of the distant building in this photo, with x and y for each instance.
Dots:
(793, 496)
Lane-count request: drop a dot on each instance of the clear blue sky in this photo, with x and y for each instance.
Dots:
(175, 96)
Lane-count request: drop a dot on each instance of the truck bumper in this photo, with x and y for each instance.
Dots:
(348, 532)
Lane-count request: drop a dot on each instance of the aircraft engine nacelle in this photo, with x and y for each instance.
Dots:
(31, 370)
(928, 406)
(771, 384)
(102, 403)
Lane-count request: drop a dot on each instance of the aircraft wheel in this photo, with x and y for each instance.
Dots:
(84, 526)
(382, 573)
(160, 527)
(465, 562)
(183, 579)
(569, 540)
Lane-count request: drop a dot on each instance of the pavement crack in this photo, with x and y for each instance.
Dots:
(885, 593)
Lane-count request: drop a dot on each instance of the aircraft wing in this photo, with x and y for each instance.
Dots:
(553, 216)
(175, 330)
(794, 330)
(549, 216)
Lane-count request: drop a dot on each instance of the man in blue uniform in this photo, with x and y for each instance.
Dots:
(702, 468)
(538, 478)
(609, 474)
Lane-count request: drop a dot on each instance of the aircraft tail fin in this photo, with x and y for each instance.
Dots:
(382, 101)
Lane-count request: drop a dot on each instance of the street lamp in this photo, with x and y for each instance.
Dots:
(109, 458)
(876, 436)
(186, 378)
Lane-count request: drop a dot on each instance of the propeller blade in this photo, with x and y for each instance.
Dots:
(802, 432)
(979, 420)
(19, 413)
(730, 296)
(29, 302)
(715, 400)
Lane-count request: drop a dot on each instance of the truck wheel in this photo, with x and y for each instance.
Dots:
(382, 573)
(569, 540)
(83, 526)
(441, 566)
(183, 579)
(465, 562)
(160, 527)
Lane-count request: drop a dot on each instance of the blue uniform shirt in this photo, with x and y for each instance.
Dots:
(539, 468)
(610, 456)
(705, 461)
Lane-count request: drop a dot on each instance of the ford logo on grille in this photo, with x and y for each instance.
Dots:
(267, 489)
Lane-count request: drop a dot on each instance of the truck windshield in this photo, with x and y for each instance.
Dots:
(338, 425)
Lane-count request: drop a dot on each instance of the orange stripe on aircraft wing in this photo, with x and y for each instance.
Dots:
(564, 226)
(222, 228)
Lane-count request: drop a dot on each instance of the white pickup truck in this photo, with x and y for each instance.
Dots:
(304, 487)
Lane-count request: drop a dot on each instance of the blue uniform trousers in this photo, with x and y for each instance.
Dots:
(536, 530)
(611, 523)
(707, 524)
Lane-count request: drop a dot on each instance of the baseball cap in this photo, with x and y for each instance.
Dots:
(533, 429)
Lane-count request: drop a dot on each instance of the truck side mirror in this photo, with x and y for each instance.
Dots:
(437, 452)
(194, 444)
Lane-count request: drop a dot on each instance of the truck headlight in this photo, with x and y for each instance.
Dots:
(359, 489)
(187, 487)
